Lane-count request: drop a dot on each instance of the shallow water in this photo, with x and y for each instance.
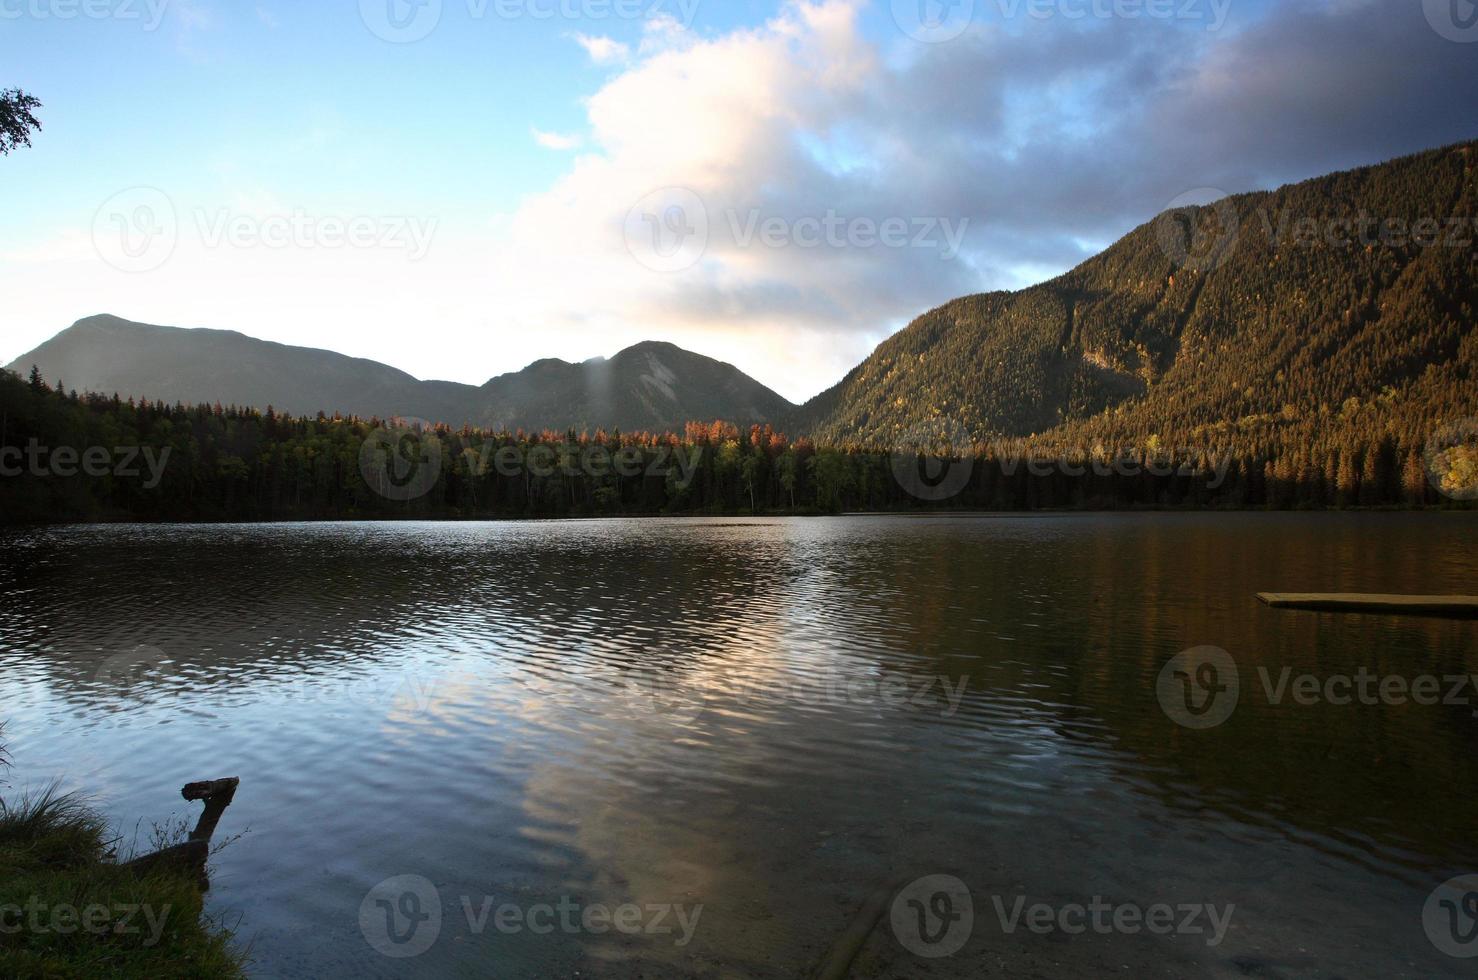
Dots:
(762, 723)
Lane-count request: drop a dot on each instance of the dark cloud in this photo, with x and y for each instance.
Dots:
(1050, 139)
(1056, 135)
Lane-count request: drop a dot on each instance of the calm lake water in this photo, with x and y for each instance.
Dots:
(765, 724)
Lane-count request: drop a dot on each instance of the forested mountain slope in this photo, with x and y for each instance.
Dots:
(1335, 307)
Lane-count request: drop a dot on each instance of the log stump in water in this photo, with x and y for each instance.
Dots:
(191, 856)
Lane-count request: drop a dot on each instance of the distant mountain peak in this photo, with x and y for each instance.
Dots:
(108, 353)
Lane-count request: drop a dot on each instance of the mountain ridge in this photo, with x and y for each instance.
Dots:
(1254, 306)
(649, 385)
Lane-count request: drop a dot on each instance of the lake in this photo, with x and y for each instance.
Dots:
(705, 747)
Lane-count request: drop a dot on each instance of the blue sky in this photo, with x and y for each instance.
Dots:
(1041, 136)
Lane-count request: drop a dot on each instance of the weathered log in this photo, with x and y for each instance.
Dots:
(192, 855)
(217, 794)
(838, 962)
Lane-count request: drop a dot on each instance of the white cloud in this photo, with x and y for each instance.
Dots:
(192, 22)
(604, 50)
(557, 141)
(1025, 135)
(722, 116)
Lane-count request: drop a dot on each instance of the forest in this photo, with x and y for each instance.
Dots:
(66, 456)
(1307, 347)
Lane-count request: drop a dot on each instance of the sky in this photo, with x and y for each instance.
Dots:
(460, 187)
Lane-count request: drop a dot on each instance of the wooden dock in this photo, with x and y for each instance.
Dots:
(1449, 606)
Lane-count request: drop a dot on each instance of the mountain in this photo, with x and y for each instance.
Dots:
(1264, 316)
(1339, 309)
(111, 355)
(652, 386)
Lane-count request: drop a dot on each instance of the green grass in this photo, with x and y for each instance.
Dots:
(67, 909)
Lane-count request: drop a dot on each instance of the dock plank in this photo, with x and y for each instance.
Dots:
(1451, 606)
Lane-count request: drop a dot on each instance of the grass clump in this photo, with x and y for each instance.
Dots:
(69, 909)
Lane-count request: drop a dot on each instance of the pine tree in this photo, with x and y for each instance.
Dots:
(1348, 481)
(1414, 479)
